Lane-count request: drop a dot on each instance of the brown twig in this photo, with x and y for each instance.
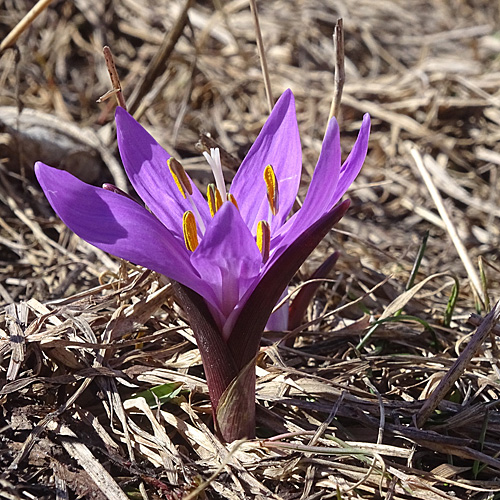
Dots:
(476, 320)
(21, 26)
(115, 79)
(158, 64)
(262, 55)
(450, 226)
(338, 43)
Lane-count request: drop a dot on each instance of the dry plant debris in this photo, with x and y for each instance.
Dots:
(102, 394)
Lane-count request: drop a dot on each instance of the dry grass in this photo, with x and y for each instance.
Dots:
(82, 334)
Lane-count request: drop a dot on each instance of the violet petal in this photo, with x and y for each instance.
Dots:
(260, 300)
(227, 258)
(326, 174)
(326, 193)
(351, 167)
(145, 162)
(118, 225)
(278, 145)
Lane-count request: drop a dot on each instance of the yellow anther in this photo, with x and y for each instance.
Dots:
(189, 229)
(214, 199)
(211, 198)
(272, 189)
(264, 239)
(218, 200)
(232, 199)
(180, 177)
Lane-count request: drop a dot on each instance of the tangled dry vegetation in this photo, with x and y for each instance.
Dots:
(388, 390)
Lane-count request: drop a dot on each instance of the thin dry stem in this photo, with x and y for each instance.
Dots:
(262, 55)
(338, 46)
(158, 64)
(115, 79)
(23, 24)
(450, 226)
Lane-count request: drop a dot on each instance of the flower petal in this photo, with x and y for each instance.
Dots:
(329, 182)
(227, 258)
(278, 145)
(326, 174)
(259, 301)
(145, 162)
(351, 167)
(118, 225)
(278, 321)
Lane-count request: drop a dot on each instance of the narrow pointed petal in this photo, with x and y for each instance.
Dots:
(145, 162)
(278, 144)
(118, 225)
(324, 192)
(326, 174)
(227, 257)
(260, 300)
(351, 167)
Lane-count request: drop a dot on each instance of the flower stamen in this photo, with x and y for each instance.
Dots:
(272, 189)
(218, 200)
(264, 239)
(189, 230)
(185, 187)
(211, 198)
(180, 177)
(214, 199)
(232, 199)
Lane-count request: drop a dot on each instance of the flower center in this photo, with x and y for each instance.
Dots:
(184, 185)
(216, 196)
(214, 199)
(213, 160)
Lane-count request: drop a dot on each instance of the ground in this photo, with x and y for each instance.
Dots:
(389, 386)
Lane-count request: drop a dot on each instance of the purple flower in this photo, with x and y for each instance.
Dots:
(239, 250)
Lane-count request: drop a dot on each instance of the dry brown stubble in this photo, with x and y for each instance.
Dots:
(73, 352)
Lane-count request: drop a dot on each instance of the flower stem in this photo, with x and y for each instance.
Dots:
(232, 391)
